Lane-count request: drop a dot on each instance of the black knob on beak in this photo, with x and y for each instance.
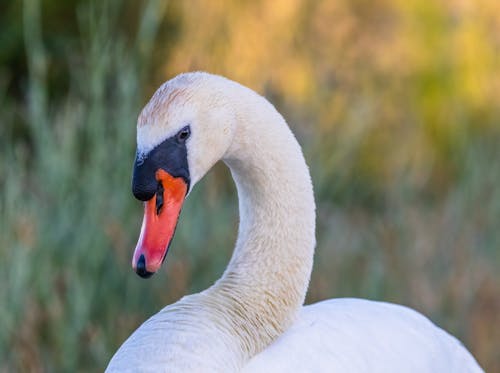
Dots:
(144, 183)
(170, 156)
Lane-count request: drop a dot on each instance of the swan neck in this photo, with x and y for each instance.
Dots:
(268, 275)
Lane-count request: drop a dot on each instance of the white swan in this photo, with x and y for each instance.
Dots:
(252, 319)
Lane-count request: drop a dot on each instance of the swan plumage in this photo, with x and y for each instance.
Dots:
(358, 335)
(252, 319)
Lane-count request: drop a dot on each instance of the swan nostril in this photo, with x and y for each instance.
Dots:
(141, 268)
(159, 198)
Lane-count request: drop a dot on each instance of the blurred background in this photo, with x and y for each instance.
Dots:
(396, 104)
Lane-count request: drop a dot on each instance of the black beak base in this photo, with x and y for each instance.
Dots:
(170, 155)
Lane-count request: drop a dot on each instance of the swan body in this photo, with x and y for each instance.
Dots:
(357, 335)
(252, 319)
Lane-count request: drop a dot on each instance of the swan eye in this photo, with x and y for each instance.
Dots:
(183, 134)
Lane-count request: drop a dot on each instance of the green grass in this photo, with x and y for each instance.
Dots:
(408, 205)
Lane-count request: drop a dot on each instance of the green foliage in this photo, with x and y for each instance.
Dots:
(66, 197)
(395, 103)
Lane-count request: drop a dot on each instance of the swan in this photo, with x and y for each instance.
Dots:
(253, 319)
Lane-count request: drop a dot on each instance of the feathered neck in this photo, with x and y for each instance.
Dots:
(267, 278)
(264, 285)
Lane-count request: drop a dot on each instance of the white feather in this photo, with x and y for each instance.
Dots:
(252, 319)
(356, 335)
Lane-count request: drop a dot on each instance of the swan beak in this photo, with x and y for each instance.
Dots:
(161, 213)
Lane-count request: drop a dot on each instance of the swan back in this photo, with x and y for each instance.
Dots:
(356, 335)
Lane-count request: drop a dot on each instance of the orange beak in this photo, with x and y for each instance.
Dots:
(158, 227)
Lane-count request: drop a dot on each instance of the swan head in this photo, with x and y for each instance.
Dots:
(185, 128)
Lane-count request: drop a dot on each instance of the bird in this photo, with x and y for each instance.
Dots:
(253, 319)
